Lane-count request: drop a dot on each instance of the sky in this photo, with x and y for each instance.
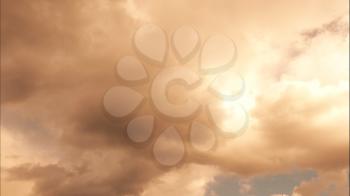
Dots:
(58, 59)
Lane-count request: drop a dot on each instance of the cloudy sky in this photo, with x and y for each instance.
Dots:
(57, 60)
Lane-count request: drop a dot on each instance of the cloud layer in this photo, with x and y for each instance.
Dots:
(56, 62)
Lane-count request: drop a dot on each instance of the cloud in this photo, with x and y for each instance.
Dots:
(189, 180)
(99, 173)
(331, 183)
(57, 58)
(244, 187)
(297, 123)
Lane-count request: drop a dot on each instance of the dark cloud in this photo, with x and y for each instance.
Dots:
(52, 81)
(51, 63)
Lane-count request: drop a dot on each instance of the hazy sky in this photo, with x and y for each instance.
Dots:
(57, 60)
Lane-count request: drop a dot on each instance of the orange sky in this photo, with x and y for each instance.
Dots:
(57, 60)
